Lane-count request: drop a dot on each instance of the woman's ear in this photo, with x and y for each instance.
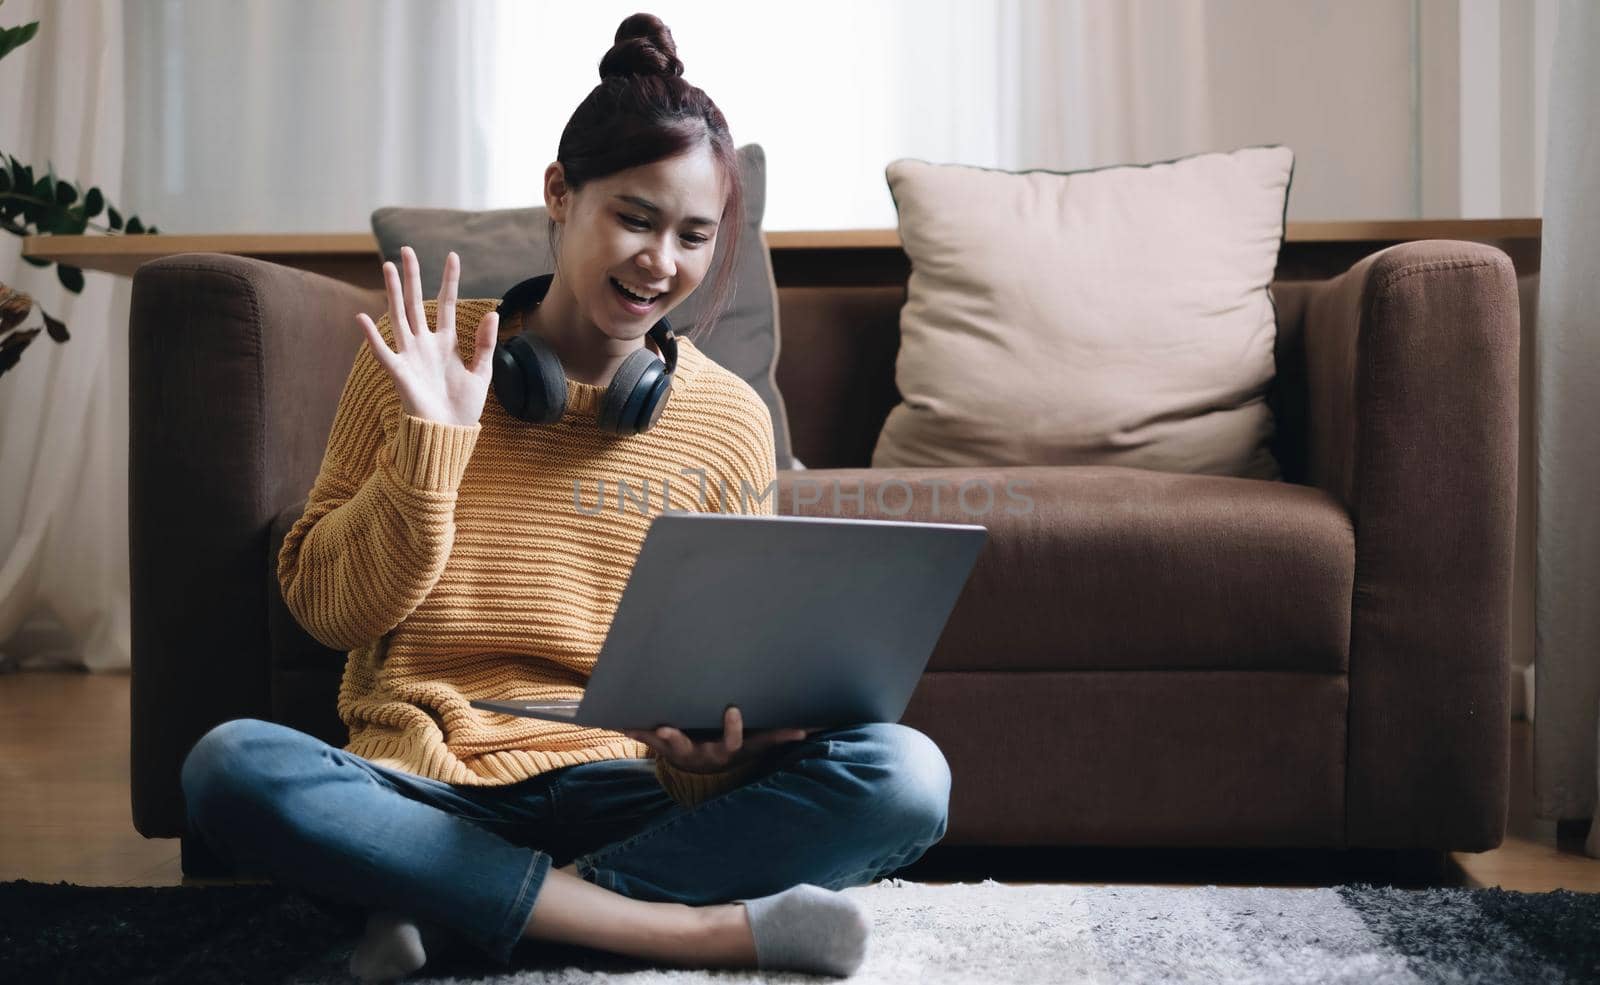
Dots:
(557, 196)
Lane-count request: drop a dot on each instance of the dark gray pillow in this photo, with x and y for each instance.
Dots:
(501, 247)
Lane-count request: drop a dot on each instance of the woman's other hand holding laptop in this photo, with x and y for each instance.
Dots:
(733, 749)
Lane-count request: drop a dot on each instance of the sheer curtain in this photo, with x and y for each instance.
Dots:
(1089, 83)
(64, 407)
(1568, 366)
(303, 116)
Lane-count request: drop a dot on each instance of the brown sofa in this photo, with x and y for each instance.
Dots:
(1142, 659)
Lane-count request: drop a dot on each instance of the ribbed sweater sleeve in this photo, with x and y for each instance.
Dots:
(380, 518)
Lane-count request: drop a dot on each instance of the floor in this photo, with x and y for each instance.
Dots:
(65, 817)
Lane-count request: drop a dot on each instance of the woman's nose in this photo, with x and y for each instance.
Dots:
(658, 265)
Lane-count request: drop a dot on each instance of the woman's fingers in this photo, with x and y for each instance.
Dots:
(657, 745)
(445, 312)
(488, 333)
(413, 291)
(676, 742)
(673, 745)
(397, 306)
(380, 348)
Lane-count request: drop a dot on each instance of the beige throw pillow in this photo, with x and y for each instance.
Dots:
(1119, 316)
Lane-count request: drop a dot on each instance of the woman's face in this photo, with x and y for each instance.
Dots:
(651, 229)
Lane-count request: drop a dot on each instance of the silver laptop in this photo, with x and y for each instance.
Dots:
(800, 621)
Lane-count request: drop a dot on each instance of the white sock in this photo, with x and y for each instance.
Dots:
(808, 928)
(391, 948)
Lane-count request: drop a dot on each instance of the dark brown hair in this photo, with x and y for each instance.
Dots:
(642, 112)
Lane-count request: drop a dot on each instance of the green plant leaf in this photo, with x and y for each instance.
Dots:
(12, 345)
(16, 37)
(66, 194)
(36, 261)
(93, 203)
(5, 181)
(151, 231)
(21, 177)
(114, 217)
(135, 226)
(71, 278)
(55, 327)
(66, 222)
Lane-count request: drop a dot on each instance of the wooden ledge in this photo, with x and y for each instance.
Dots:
(354, 256)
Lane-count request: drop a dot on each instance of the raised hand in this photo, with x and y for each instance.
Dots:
(433, 381)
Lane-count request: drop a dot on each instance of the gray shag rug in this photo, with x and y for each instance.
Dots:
(964, 932)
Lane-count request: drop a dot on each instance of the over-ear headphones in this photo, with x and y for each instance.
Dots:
(532, 385)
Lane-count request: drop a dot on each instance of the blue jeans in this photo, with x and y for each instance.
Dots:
(841, 808)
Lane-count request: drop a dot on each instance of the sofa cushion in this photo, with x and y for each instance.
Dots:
(1085, 568)
(500, 247)
(1119, 316)
(1110, 568)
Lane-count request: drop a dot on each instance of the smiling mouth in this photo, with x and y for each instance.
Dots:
(635, 298)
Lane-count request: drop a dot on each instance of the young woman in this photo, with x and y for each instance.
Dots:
(441, 547)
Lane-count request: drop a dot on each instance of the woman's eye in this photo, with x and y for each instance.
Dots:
(634, 222)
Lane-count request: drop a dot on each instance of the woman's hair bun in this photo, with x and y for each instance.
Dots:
(643, 46)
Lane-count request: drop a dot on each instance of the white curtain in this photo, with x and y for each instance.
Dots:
(222, 122)
(1567, 591)
(304, 116)
(64, 407)
(328, 110)
(1088, 83)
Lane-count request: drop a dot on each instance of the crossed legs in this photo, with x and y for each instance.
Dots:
(853, 804)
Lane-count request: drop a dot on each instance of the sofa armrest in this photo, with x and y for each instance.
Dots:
(1411, 362)
(235, 369)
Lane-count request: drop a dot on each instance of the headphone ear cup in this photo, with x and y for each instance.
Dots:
(624, 397)
(529, 380)
(654, 404)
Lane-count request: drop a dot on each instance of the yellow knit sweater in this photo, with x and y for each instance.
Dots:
(460, 563)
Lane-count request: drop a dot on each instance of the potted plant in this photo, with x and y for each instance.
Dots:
(46, 204)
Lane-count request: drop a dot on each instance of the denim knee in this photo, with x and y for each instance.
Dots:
(902, 774)
(218, 768)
